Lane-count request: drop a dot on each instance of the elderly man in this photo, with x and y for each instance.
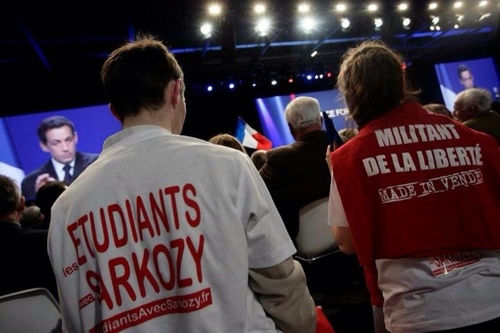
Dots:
(296, 174)
(473, 108)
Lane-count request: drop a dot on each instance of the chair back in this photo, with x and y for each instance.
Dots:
(32, 310)
(315, 235)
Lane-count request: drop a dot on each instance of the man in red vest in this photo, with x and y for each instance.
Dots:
(417, 197)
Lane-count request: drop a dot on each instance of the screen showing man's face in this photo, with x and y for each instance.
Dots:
(61, 144)
(466, 79)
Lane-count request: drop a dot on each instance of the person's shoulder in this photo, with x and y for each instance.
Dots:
(89, 157)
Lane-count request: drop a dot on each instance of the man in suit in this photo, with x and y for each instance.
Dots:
(23, 252)
(57, 137)
(297, 174)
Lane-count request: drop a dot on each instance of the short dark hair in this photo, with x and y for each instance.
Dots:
(48, 193)
(136, 74)
(10, 195)
(462, 68)
(372, 80)
(53, 122)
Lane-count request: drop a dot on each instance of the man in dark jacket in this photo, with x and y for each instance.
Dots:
(296, 174)
(58, 137)
(23, 252)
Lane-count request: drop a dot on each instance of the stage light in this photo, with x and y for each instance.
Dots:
(210, 88)
(458, 5)
(345, 23)
(307, 24)
(309, 77)
(274, 82)
(314, 54)
(263, 26)
(259, 8)
(406, 22)
(303, 8)
(378, 22)
(403, 6)
(372, 7)
(231, 85)
(206, 30)
(433, 6)
(340, 8)
(214, 9)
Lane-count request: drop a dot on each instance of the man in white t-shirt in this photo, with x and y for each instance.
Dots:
(168, 233)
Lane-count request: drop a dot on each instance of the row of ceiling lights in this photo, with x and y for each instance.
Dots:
(308, 23)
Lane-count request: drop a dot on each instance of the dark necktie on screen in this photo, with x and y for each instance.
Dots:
(67, 175)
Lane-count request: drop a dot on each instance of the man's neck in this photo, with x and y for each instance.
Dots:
(11, 217)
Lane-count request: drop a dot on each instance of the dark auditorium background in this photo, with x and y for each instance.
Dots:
(51, 52)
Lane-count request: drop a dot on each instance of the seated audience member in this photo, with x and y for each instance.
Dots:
(473, 108)
(438, 109)
(31, 217)
(430, 249)
(187, 213)
(59, 138)
(259, 158)
(227, 140)
(296, 174)
(45, 198)
(23, 252)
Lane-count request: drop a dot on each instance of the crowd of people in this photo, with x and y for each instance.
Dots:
(161, 231)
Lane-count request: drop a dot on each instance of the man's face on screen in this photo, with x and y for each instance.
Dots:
(61, 144)
(467, 80)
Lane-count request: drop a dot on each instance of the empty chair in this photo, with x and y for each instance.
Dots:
(32, 310)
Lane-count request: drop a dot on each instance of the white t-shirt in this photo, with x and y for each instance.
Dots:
(168, 225)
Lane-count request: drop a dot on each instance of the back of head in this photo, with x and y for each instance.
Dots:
(303, 112)
(31, 217)
(10, 196)
(135, 75)
(438, 109)
(259, 158)
(53, 122)
(372, 80)
(48, 194)
(470, 102)
(227, 140)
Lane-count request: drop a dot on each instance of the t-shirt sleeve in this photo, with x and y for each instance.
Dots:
(336, 213)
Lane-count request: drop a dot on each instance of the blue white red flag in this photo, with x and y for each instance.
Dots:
(251, 138)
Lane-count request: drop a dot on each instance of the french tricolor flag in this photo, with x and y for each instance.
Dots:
(251, 138)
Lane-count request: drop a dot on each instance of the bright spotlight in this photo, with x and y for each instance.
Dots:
(259, 8)
(263, 26)
(345, 23)
(214, 10)
(307, 24)
(206, 29)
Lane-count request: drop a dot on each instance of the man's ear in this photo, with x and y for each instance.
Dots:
(22, 205)
(174, 92)
(76, 137)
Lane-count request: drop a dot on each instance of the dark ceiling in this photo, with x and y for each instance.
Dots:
(51, 52)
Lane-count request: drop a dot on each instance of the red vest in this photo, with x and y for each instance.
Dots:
(416, 184)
